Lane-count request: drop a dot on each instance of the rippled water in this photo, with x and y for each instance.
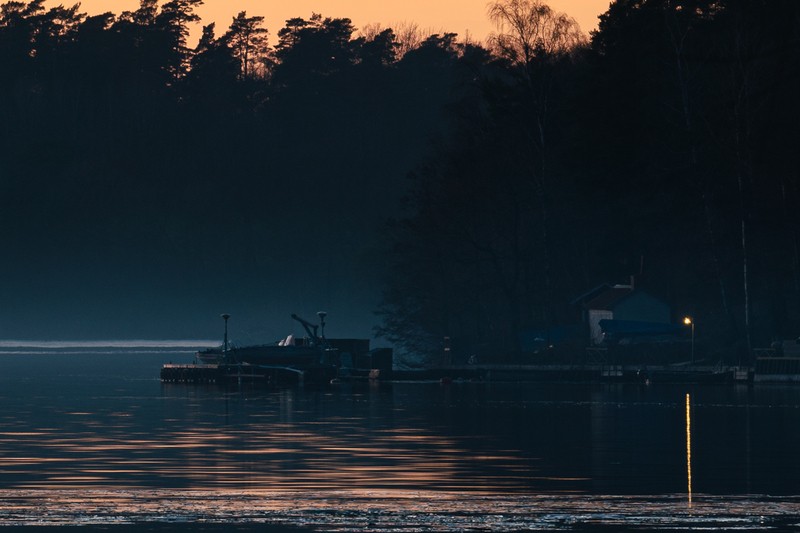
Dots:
(95, 438)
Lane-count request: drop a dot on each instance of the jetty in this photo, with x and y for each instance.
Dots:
(373, 365)
(582, 372)
(311, 359)
(244, 373)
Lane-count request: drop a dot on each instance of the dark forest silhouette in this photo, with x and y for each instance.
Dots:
(136, 170)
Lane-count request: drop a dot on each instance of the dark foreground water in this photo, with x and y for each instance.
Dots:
(91, 437)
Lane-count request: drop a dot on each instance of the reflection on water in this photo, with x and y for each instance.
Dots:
(689, 446)
(275, 440)
(99, 439)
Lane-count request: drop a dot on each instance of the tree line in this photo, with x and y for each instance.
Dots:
(516, 174)
(137, 168)
(661, 148)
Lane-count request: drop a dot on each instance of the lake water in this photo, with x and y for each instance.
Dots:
(89, 435)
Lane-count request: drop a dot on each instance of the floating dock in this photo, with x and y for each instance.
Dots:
(777, 369)
(241, 373)
(584, 373)
(190, 373)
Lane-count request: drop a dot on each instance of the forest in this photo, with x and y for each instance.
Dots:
(445, 187)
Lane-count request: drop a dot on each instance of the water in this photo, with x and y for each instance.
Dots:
(90, 436)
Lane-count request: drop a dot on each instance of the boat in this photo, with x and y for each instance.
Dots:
(313, 356)
(312, 350)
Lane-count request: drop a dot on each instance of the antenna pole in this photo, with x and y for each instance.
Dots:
(225, 317)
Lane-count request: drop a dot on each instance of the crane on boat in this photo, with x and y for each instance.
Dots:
(312, 329)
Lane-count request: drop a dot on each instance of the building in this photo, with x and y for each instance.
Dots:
(631, 310)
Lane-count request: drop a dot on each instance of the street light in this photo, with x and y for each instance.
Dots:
(225, 317)
(322, 315)
(689, 322)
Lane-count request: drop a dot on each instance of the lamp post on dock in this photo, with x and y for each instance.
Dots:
(225, 317)
(690, 322)
(322, 315)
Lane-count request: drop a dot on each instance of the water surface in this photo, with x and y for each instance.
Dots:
(95, 438)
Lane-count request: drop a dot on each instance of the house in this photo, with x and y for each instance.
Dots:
(631, 310)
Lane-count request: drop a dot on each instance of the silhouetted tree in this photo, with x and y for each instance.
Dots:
(530, 30)
(694, 80)
(409, 37)
(755, 47)
(214, 75)
(541, 168)
(535, 40)
(378, 50)
(248, 40)
(172, 22)
(309, 49)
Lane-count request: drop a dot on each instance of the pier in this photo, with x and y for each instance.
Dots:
(596, 372)
(765, 370)
(190, 373)
(240, 373)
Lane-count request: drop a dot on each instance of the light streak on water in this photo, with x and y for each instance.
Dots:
(689, 447)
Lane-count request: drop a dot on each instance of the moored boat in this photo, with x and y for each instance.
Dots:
(312, 350)
(313, 356)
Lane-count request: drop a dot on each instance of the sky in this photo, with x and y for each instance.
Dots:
(459, 16)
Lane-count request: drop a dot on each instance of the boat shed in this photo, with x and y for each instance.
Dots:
(624, 303)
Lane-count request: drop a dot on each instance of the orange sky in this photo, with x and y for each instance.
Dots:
(458, 16)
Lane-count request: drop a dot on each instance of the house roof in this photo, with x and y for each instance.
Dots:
(609, 298)
(590, 294)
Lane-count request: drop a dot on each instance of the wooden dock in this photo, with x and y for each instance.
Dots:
(585, 373)
(171, 373)
(244, 373)
(767, 369)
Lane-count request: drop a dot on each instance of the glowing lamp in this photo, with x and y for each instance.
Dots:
(688, 321)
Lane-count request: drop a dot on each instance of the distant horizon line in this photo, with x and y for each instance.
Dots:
(107, 343)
